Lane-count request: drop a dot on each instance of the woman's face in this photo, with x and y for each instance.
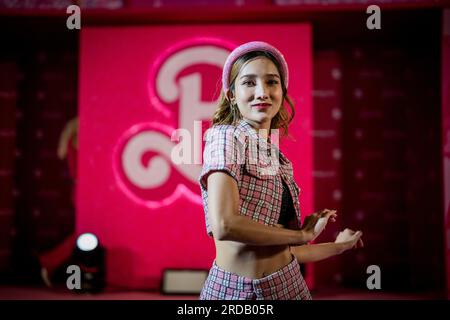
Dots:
(258, 92)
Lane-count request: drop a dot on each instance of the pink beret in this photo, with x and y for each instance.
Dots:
(246, 48)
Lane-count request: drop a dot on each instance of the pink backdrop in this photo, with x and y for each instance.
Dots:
(137, 85)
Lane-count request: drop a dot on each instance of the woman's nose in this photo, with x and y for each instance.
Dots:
(261, 92)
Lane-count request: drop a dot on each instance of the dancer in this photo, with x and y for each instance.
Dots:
(249, 195)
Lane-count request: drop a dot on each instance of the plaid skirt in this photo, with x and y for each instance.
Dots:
(284, 284)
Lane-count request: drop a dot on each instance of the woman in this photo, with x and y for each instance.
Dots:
(249, 194)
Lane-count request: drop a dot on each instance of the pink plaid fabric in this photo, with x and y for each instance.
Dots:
(284, 284)
(235, 151)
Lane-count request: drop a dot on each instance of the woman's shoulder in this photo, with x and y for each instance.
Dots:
(224, 132)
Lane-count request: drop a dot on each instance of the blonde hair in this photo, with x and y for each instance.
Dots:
(227, 113)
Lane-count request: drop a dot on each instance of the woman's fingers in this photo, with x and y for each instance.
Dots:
(327, 212)
(358, 240)
(360, 243)
(357, 235)
(351, 238)
(333, 217)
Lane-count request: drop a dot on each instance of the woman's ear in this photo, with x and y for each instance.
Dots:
(229, 95)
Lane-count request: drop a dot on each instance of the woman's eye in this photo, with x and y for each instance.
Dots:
(273, 82)
(249, 83)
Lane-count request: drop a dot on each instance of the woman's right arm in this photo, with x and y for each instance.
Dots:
(228, 224)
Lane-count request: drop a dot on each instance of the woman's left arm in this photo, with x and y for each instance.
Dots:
(316, 252)
(345, 240)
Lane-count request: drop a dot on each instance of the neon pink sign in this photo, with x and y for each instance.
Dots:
(142, 159)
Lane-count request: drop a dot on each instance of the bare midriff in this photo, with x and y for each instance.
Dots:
(249, 260)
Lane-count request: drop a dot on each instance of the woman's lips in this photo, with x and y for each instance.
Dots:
(261, 106)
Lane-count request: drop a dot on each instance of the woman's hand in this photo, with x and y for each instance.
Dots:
(349, 239)
(314, 224)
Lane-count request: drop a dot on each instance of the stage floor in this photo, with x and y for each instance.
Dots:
(45, 293)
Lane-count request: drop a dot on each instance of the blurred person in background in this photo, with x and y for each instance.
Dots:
(53, 260)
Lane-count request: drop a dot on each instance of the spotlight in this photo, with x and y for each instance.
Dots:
(87, 242)
(89, 255)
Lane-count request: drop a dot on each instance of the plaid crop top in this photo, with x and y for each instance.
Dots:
(227, 149)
